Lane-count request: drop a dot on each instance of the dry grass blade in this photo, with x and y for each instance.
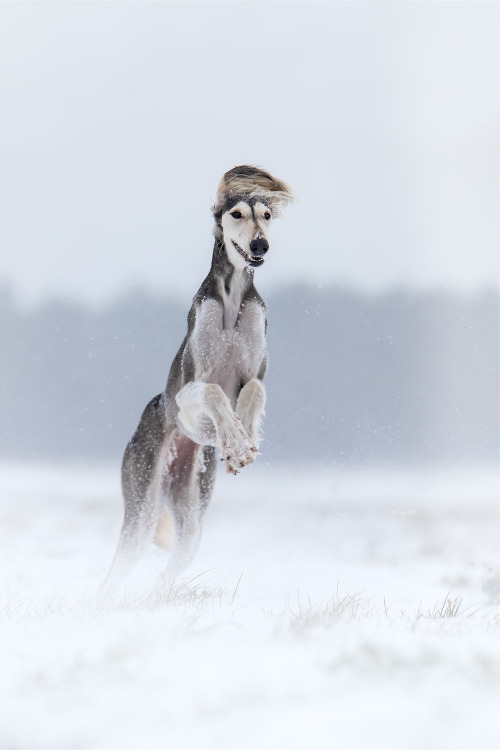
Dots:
(236, 589)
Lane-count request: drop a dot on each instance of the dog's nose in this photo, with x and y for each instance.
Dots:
(259, 247)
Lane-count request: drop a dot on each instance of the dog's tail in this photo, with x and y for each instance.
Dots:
(165, 532)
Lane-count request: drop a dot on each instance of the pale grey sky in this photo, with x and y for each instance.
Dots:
(118, 119)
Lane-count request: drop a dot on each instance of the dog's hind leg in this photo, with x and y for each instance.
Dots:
(137, 530)
(187, 486)
(141, 483)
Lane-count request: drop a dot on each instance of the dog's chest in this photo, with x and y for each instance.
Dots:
(228, 355)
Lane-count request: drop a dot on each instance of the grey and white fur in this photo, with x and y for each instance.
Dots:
(214, 398)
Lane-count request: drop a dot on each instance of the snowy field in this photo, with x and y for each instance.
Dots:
(326, 609)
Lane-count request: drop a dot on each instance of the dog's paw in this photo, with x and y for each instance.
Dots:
(237, 450)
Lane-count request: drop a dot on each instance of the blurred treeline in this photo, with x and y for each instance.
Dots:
(397, 377)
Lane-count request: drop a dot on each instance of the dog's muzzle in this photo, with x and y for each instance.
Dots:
(258, 248)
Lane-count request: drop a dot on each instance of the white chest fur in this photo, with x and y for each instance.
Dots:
(232, 299)
(228, 356)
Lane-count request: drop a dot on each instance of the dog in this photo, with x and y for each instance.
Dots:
(214, 398)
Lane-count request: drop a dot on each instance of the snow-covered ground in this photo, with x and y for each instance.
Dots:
(325, 609)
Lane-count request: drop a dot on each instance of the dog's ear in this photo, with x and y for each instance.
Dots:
(252, 181)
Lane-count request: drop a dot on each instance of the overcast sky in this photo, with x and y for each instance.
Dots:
(118, 119)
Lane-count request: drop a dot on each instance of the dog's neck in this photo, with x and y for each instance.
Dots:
(233, 283)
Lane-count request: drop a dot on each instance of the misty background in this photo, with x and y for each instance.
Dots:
(399, 377)
(117, 122)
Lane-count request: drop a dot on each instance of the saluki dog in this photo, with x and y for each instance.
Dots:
(214, 397)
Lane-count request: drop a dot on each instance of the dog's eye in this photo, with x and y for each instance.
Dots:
(236, 214)
(267, 216)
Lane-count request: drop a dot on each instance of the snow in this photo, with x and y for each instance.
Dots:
(327, 608)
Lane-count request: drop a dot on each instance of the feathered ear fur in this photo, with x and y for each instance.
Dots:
(250, 182)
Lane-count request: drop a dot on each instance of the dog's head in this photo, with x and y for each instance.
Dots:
(247, 200)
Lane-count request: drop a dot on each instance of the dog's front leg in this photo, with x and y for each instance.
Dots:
(205, 415)
(250, 409)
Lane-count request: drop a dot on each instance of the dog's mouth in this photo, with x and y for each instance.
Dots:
(254, 262)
